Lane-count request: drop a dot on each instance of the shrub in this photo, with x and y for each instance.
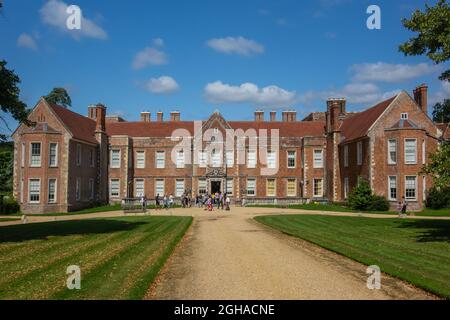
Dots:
(438, 199)
(361, 196)
(10, 206)
(378, 203)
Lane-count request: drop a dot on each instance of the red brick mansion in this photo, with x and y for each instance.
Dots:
(67, 161)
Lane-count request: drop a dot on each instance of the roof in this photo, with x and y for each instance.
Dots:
(404, 124)
(165, 128)
(81, 127)
(357, 126)
(445, 128)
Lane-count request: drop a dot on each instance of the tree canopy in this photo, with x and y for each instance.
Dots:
(433, 39)
(441, 111)
(59, 96)
(439, 167)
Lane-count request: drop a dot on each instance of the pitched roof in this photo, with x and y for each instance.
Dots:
(81, 127)
(357, 126)
(165, 129)
(404, 124)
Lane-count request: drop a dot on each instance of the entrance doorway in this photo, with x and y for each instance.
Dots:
(215, 186)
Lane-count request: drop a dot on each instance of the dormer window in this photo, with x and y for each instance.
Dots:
(404, 116)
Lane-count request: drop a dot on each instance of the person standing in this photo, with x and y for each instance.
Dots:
(404, 207)
(157, 201)
(227, 200)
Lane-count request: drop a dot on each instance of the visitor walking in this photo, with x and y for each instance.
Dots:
(227, 200)
(157, 202)
(404, 207)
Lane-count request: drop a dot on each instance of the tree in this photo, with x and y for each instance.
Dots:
(441, 111)
(433, 39)
(360, 197)
(6, 167)
(439, 167)
(9, 98)
(59, 96)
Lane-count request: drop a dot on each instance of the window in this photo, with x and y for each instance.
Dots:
(140, 159)
(346, 156)
(139, 188)
(180, 159)
(410, 151)
(318, 187)
(270, 187)
(35, 160)
(291, 187)
(424, 188)
(21, 191)
(404, 116)
(91, 158)
(51, 190)
(346, 187)
(179, 187)
(410, 187)
(78, 154)
(78, 189)
(202, 161)
(359, 151)
(114, 188)
(216, 158)
(160, 159)
(22, 160)
(34, 190)
(392, 188)
(271, 159)
(424, 152)
(53, 155)
(115, 158)
(251, 187)
(202, 186)
(230, 185)
(291, 159)
(159, 187)
(251, 159)
(91, 189)
(230, 158)
(392, 151)
(318, 159)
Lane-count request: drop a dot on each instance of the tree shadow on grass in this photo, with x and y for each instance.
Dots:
(41, 231)
(429, 230)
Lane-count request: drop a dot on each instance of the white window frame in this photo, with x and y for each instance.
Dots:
(229, 158)
(22, 160)
(202, 159)
(317, 162)
(424, 151)
(230, 186)
(111, 195)
(291, 157)
(271, 159)
(251, 159)
(21, 190)
(79, 155)
(91, 189)
(178, 191)
(140, 159)
(139, 193)
(248, 187)
(181, 159)
(202, 186)
(424, 188)
(404, 116)
(159, 160)
(415, 188)
(161, 194)
(50, 155)
(30, 193)
(78, 189)
(415, 150)
(294, 194)
(216, 158)
(392, 142)
(359, 153)
(37, 165)
(54, 192)
(274, 187)
(118, 164)
(317, 195)
(346, 155)
(390, 198)
(346, 187)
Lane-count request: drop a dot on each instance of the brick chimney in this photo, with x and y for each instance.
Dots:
(421, 97)
(145, 116)
(174, 116)
(273, 115)
(289, 115)
(159, 116)
(284, 115)
(100, 112)
(259, 115)
(92, 111)
(333, 112)
(293, 115)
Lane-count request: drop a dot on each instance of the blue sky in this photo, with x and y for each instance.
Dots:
(198, 56)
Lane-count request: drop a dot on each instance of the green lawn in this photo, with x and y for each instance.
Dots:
(339, 208)
(119, 257)
(8, 219)
(417, 251)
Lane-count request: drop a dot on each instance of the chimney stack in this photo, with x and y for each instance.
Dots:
(100, 114)
(420, 95)
(289, 115)
(159, 116)
(273, 115)
(92, 111)
(259, 115)
(145, 116)
(334, 106)
(293, 114)
(174, 116)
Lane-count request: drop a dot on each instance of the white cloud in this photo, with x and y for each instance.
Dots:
(239, 45)
(54, 14)
(162, 85)
(386, 72)
(149, 56)
(270, 96)
(27, 41)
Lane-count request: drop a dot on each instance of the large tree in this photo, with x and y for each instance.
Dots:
(441, 111)
(9, 99)
(439, 167)
(59, 96)
(433, 38)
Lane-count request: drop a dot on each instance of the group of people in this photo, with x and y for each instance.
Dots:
(166, 202)
(402, 206)
(208, 201)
